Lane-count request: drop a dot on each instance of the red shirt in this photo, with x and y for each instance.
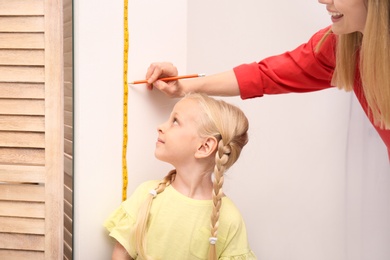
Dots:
(301, 70)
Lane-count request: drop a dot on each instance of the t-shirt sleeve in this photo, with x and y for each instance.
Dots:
(236, 244)
(301, 70)
(121, 220)
(119, 225)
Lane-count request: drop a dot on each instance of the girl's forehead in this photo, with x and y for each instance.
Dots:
(186, 103)
(187, 107)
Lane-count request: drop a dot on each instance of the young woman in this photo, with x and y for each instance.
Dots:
(186, 215)
(352, 54)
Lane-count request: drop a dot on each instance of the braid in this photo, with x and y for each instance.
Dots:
(221, 158)
(139, 230)
(166, 181)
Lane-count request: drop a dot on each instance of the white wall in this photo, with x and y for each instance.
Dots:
(290, 182)
(154, 35)
(367, 190)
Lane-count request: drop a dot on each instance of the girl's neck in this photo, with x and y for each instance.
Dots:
(194, 185)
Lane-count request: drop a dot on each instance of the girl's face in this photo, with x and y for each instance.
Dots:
(178, 138)
(347, 15)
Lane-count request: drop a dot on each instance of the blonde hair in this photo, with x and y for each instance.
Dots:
(372, 51)
(229, 125)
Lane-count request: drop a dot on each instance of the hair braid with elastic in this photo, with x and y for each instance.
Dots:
(140, 227)
(221, 158)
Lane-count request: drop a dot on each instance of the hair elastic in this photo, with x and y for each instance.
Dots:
(213, 240)
(153, 192)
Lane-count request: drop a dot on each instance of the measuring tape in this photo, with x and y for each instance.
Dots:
(125, 100)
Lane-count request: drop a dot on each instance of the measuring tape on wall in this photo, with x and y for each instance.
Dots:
(125, 100)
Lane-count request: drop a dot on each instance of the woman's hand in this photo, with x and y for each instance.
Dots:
(160, 70)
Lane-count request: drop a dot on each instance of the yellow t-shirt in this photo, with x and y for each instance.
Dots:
(179, 227)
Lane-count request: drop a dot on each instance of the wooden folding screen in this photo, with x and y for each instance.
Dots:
(31, 129)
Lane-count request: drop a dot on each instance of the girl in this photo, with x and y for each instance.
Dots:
(352, 54)
(170, 219)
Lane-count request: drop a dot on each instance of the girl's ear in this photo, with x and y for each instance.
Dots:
(207, 147)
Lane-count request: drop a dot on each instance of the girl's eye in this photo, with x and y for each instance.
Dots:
(174, 121)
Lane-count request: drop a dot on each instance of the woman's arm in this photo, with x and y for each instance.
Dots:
(221, 84)
(120, 253)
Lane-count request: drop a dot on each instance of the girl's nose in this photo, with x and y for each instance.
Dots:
(160, 128)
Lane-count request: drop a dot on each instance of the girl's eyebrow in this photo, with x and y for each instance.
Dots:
(176, 116)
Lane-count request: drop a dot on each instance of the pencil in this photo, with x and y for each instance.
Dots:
(170, 78)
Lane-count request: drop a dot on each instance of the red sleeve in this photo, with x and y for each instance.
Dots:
(300, 70)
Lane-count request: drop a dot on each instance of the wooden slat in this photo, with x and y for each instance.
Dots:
(67, 251)
(22, 225)
(22, 139)
(68, 74)
(21, 255)
(68, 209)
(68, 24)
(68, 89)
(22, 57)
(68, 180)
(22, 192)
(67, 237)
(68, 118)
(22, 209)
(22, 107)
(68, 105)
(68, 147)
(68, 224)
(68, 163)
(22, 41)
(22, 173)
(21, 23)
(22, 74)
(22, 241)
(21, 7)
(22, 123)
(22, 90)
(22, 156)
(68, 45)
(68, 10)
(68, 195)
(68, 132)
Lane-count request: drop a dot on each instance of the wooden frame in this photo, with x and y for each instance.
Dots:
(54, 125)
